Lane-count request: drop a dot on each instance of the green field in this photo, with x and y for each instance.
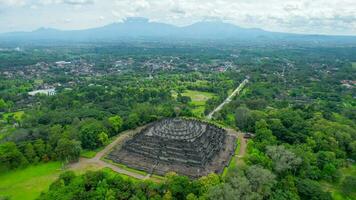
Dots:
(28, 183)
(354, 65)
(198, 100)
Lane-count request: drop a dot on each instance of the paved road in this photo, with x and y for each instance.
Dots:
(228, 99)
(96, 162)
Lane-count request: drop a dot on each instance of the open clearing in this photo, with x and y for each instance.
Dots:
(28, 183)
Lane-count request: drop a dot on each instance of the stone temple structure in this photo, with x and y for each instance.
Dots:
(188, 147)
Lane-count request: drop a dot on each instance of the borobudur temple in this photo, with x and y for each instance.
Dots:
(186, 146)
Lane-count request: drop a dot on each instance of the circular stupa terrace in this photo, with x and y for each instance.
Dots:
(186, 146)
(177, 129)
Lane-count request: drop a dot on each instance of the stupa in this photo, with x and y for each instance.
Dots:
(186, 146)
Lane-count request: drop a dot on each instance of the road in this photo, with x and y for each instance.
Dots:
(228, 99)
(97, 163)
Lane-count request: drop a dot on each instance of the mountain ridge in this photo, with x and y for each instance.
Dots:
(142, 28)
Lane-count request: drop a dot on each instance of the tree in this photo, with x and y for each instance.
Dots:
(89, 134)
(192, 196)
(208, 181)
(180, 186)
(103, 138)
(168, 196)
(132, 121)
(68, 150)
(353, 150)
(183, 99)
(222, 192)
(309, 189)
(40, 148)
(55, 133)
(116, 123)
(285, 189)
(283, 159)
(264, 136)
(10, 156)
(243, 118)
(3, 105)
(255, 183)
(349, 185)
(261, 180)
(30, 153)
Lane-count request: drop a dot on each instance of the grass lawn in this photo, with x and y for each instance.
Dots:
(198, 100)
(28, 183)
(88, 153)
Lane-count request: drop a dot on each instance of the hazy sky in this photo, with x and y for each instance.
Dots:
(300, 16)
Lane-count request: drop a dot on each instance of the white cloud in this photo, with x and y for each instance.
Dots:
(13, 2)
(303, 16)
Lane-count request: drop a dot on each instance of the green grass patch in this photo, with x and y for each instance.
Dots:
(199, 100)
(158, 177)
(113, 173)
(88, 153)
(233, 161)
(125, 167)
(28, 183)
(237, 150)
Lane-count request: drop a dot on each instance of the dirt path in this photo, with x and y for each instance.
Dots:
(96, 162)
(243, 141)
(228, 99)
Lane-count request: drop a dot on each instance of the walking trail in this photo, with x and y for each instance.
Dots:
(97, 163)
(242, 139)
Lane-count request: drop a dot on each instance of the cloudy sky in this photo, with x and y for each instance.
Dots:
(298, 16)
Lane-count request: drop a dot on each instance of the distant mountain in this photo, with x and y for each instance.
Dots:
(141, 28)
